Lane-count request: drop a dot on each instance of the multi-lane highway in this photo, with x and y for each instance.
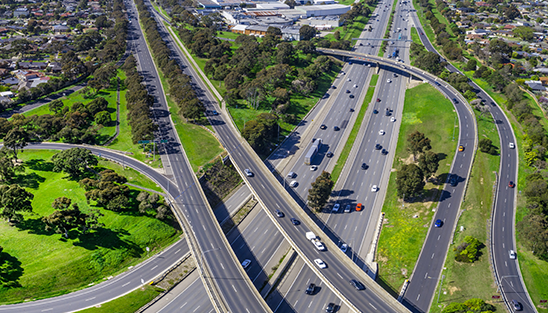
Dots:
(503, 219)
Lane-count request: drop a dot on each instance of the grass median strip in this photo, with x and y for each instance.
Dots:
(473, 280)
(129, 303)
(355, 129)
(405, 227)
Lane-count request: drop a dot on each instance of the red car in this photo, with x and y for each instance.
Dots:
(511, 184)
(378, 100)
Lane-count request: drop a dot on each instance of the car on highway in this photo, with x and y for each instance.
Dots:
(375, 111)
(384, 151)
(381, 132)
(455, 101)
(378, 146)
(378, 100)
(511, 184)
(395, 75)
(348, 79)
(248, 172)
(347, 91)
(392, 119)
(453, 180)
(375, 188)
(368, 65)
(320, 263)
(438, 223)
(461, 148)
(364, 166)
(355, 85)
(359, 207)
(347, 208)
(438, 84)
(279, 213)
(336, 128)
(357, 284)
(215, 112)
(344, 247)
(329, 154)
(351, 96)
(310, 289)
(323, 126)
(389, 80)
(511, 145)
(516, 305)
(295, 221)
(291, 174)
(512, 254)
(245, 263)
(351, 110)
(319, 245)
(335, 208)
(313, 168)
(293, 184)
(387, 112)
(330, 308)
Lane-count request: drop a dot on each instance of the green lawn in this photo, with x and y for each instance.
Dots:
(428, 111)
(129, 303)
(229, 35)
(50, 265)
(462, 280)
(355, 129)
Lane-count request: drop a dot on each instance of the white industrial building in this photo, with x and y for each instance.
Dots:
(323, 10)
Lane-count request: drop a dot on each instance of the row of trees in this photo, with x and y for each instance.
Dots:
(180, 88)
(411, 178)
(534, 226)
(138, 103)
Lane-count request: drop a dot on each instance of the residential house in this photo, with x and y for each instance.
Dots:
(536, 85)
(7, 94)
(33, 65)
(61, 29)
(544, 81)
(21, 12)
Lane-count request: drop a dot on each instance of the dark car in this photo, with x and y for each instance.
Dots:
(329, 154)
(395, 75)
(351, 110)
(378, 100)
(438, 84)
(357, 284)
(516, 305)
(310, 289)
(375, 111)
(453, 180)
(438, 223)
(279, 213)
(323, 126)
(351, 96)
(336, 128)
(364, 166)
(455, 100)
(347, 91)
(295, 221)
(378, 146)
(330, 308)
(384, 151)
(511, 184)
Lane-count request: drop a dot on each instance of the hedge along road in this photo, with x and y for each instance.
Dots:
(124, 283)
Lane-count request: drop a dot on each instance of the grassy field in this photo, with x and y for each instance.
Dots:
(49, 265)
(428, 111)
(464, 281)
(129, 303)
(200, 146)
(352, 137)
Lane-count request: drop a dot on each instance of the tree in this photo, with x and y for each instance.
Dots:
(429, 163)
(73, 161)
(486, 146)
(64, 220)
(56, 106)
(409, 181)
(524, 32)
(320, 191)
(16, 139)
(534, 228)
(61, 203)
(468, 251)
(471, 65)
(92, 220)
(13, 200)
(417, 143)
(102, 118)
(306, 32)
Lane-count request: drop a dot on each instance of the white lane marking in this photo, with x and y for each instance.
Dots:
(204, 227)
(222, 266)
(154, 268)
(418, 297)
(89, 299)
(439, 237)
(126, 284)
(339, 275)
(505, 263)
(425, 275)
(432, 255)
(234, 288)
(373, 306)
(183, 305)
(196, 309)
(176, 251)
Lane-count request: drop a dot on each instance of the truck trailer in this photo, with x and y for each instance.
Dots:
(312, 151)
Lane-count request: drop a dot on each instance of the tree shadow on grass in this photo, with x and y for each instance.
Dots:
(39, 165)
(11, 271)
(31, 180)
(109, 239)
(35, 226)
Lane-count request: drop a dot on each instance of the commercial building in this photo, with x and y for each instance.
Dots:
(323, 10)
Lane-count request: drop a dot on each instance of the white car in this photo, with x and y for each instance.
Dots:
(381, 132)
(319, 245)
(348, 79)
(248, 172)
(355, 86)
(512, 254)
(388, 80)
(320, 263)
(344, 247)
(511, 145)
(294, 184)
(392, 119)
(245, 263)
(375, 188)
(313, 168)
(336, 207)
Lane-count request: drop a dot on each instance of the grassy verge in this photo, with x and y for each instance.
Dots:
(424, 22)
(200, 146)
(354, 133)
(428, 111)
(464, 281)
(49, 265)
(129, 303)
